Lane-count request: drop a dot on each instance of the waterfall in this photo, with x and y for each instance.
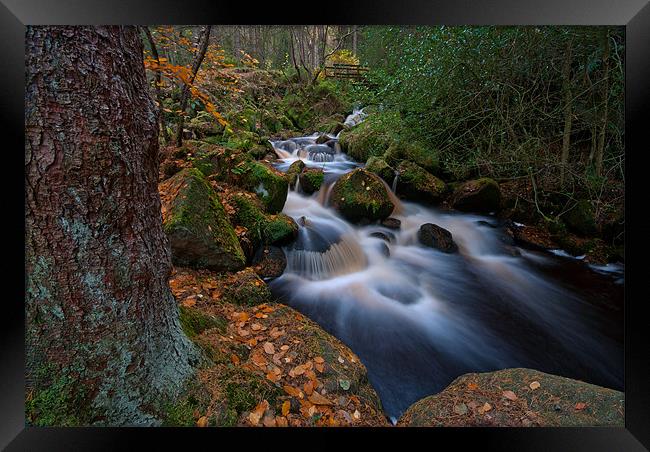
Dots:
(394, 187)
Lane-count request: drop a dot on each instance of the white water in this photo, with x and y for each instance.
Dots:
(417, 317)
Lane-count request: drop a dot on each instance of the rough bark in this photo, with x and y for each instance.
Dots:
(101, 323)
(185, 95)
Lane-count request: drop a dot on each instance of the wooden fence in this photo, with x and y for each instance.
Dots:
(353, 72)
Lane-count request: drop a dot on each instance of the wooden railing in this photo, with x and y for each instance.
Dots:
(341, 71)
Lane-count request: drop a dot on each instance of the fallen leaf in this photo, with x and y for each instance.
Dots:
(273, 377)
(281, 422)
(485, 408)
(472, 386)
(319, 367)
(256, 327)
(268, 421)
(460, 409)
(298, 370)
(580, 406)
(319, 359)
(295, 392)
(286, 406)
(509, 395)
(235, 359)
(269, 348)
(344, 384)
(309, 387)
(202, 422)
(318, 399)
(534, 385)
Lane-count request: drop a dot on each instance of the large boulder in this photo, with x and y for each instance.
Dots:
(361, 196)
(311, 180)
(415, 183)
(197, 226)
(434, 236)
(518, 398)
(479, 195)
(580, 219)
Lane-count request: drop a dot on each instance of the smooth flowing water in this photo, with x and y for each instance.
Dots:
(418, 318)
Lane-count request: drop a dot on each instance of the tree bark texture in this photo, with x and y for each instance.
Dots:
(99, 313)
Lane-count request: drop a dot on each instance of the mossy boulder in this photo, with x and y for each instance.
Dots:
(361, 196)
(580, 219)
(293, 171)
(478, 195)
(262, 228)
(416, 183)
(365, 141)
(197, 226)
(378, 166)
(518, 398)
(311, 180)
(267, 182)
(413, 152)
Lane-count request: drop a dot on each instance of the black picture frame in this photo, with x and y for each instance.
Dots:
(633, 14)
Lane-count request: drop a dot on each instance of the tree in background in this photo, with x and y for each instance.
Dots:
(103, 340)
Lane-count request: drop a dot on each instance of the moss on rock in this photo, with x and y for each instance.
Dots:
(413, 152)
(378, 166)
(417, 184)
(293, 171)
(479, 195)
(268, 183)
(361, 196)
(197, 226)
(263, 228)
(194, 321)
(311, 180)
(555, 401)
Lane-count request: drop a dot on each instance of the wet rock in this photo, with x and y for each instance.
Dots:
(382, 169)
(415, 183)
(360, 195)
(574, 403)
(323, 138)
(311, 180)
(293, 171)
(382, 235)
(392, 223)
(479, 195)
(197, 226)
(434, 236)
(269, 262)
(268, 183)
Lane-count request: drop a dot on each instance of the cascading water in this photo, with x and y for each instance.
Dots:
(418, 318)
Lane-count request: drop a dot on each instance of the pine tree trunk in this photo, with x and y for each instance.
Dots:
(102, 328)
(154, 53)
(354, 39)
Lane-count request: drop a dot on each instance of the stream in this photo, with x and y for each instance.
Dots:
(419, 318)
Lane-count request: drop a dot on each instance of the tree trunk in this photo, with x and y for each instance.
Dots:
(600, 150)
(568, 113)
(185, 95)
(354, 39)
(102, 331)
(154, 52)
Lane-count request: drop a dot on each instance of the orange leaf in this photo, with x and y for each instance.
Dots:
(269, 348)
(235, 359)
(295, 392)
(318, 399)
(509, 395)
(472, 386)
(309, 387)
(202, 422)
(286, 406)
(580, 406)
